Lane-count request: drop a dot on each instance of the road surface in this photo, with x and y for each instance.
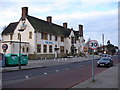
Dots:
(60, 76)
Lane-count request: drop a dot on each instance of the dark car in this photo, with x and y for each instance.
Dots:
(105, 61)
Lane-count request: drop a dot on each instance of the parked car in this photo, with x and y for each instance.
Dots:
(105, 61)
(104, 55)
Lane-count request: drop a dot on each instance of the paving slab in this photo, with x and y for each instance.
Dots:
(105, 79)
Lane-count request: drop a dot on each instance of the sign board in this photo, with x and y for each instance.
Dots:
(93, 44)
(4, 46)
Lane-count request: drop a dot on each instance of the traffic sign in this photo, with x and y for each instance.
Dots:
(93, 44)
(4, 46)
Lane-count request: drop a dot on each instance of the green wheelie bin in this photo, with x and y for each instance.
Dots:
(24, 59)
(11, 59)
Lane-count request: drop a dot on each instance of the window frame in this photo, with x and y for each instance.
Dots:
(44, 36)
(30, 35)
(56, 38)
(62, 39)
(50, 49)
(62, 49)
(19, 36)
(39, 48)
(23, 49)
(27, 49)
(11, 36)
(44, 48)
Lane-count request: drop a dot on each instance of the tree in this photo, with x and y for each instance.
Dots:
(108, 42)
(110, 48)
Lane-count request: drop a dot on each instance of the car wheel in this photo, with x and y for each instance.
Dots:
(109, 65)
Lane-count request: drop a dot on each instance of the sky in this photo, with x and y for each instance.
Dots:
(97, 16)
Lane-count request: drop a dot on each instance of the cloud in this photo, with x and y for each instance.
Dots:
(97, 16)
(90, 1)
(88, 18)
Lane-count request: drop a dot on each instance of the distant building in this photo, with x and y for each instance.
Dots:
(42, 38)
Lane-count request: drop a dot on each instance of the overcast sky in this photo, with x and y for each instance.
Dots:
(98, 16)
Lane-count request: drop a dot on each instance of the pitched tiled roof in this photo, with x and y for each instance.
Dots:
(44, 26)
(10, 28)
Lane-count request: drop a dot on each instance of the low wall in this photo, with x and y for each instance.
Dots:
(39, 56)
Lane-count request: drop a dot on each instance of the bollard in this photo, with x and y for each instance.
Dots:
(41, 58)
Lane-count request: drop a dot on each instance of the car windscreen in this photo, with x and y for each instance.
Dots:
(104, 59)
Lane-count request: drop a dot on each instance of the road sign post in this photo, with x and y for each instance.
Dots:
(92, 67)
(93, 44)
(4, 47)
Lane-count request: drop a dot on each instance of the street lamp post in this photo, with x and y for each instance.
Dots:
(22, 28)
(20, 52)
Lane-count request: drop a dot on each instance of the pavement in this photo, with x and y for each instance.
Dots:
(41, 63)
(105, 79)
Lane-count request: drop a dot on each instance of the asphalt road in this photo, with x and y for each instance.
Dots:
(61, 76)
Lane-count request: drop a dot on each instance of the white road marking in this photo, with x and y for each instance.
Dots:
(57, 70)
(65, 58)
(27, 77)
(45, 73)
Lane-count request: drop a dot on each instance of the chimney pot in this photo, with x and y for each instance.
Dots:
(24, 12)
(49, 19)
(81, 30)
(65, 24)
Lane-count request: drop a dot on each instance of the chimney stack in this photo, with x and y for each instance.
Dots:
(81, 30)
(65, 24)
(24, 12)
(49, 19)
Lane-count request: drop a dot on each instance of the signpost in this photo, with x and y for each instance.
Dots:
(4, 47)
(93, 44)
